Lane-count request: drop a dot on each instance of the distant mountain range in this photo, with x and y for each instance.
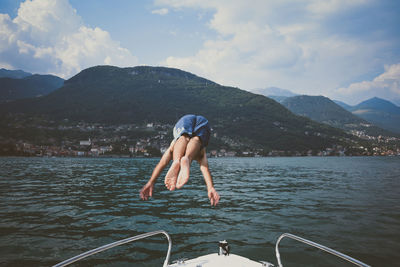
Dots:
(342, 104)
(277, 94)
(383, 115)
(16, 74)
(141, 94)
(274, 91)
(321, 109)
(17, 84)
(380, 112)
(324, 110)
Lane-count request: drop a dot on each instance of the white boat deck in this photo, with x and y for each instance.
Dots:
(215, 260)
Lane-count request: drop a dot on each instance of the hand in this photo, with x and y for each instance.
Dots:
(146, 191)
(213, 196)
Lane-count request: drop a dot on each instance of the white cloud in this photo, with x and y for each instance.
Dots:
(161, 11)
(245, 48)
(49, 36)
(324, 7)
(386, 85)
(245, 56)
(279, 43)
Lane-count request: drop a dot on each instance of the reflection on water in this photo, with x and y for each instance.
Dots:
(53, 209)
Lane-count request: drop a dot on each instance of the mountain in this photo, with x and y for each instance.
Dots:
(277, 94)
(321, 109)
(378, 104)
(273, 91)
(278, 98)
(324, 110)
(16, 74)
(343, 105)
(29, 86)
(115, 95)
(380, 112)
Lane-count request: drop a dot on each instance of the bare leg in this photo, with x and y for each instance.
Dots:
(178, 152)
(192, 149)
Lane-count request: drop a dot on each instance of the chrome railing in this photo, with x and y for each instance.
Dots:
(311, 243)
(117, 243)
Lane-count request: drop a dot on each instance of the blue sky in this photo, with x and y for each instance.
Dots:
(344, 49)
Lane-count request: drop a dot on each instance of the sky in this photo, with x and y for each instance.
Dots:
(347, 50)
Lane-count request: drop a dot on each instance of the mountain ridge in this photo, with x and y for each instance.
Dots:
(380, 112)
(27, 87)
(16, 74)
(324, 110)
(377, 103)
(138, 94)
(273, 91)
(317, 108)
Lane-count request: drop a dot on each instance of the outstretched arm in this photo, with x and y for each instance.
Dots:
(212, 193)
(147, 190)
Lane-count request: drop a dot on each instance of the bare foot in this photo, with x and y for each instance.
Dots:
(172, 175)
(184, 173)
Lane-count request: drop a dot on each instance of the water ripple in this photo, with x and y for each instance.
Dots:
(53, 209)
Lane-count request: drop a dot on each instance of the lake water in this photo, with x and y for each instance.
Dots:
(55, 208)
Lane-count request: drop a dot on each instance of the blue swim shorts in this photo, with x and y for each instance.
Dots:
(193, 125)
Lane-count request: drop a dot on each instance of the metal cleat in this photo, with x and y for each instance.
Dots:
(266, 264)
